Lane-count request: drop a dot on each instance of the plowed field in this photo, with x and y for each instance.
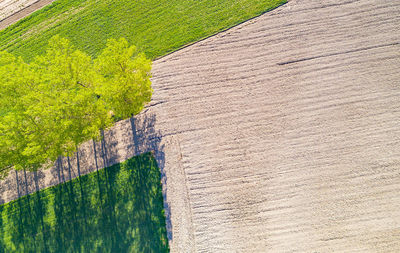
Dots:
(289, 131)
(13, 10)
(281, 134)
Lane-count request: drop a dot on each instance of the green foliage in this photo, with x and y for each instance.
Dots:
(64, 97)
(126, 91)
(118, 209)
(156, 27)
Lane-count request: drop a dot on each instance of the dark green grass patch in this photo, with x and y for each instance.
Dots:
(156, 27)
(118, 209)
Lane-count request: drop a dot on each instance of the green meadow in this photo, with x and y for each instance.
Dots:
(117, 209)
(156, 27)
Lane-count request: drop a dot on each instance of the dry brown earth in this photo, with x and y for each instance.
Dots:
(9, 7)
(289, 130)
(13, 10)
(279, 135)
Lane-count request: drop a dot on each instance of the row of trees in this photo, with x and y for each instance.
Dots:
(48, 107)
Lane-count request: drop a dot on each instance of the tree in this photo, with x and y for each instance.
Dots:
(50, 106)
(125, 78)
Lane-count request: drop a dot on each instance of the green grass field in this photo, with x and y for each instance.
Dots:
(119, 209)
(156, 27)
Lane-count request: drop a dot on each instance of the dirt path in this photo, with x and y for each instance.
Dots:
(13, 10)
(279, 135)
(9, 7)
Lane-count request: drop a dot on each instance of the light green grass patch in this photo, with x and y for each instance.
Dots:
(156, 27)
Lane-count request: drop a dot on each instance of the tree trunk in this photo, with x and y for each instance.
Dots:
(36, 180)
(69, 168)
(109, 191)
(95, 156)
(80, 184)
(29, 204)
(103, 149)
(16, 177)
(40, 210)
(134, 134)
(21, 226)
(77, 163)
(58, 169)
(98, 177)
(26, 183)
(62, 169)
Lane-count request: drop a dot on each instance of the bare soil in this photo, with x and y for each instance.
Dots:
(13, 10)
(9, 7)
(279, 135)
(289, 131)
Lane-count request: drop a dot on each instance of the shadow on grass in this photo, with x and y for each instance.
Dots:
(117, 209)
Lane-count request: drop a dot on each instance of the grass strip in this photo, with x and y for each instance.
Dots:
(117, 209)
(156, 27)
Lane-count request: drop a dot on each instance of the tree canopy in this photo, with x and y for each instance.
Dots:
(49, 106)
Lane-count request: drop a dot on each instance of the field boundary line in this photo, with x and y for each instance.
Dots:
(217, 33)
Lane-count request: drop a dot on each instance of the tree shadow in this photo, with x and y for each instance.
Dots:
(146, 138)
(117, 209)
